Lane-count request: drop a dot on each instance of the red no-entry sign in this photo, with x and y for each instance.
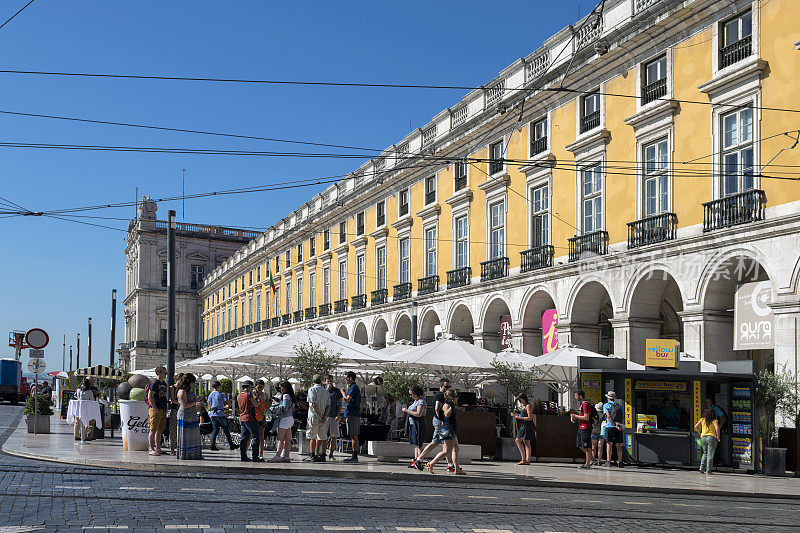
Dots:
(37, 338)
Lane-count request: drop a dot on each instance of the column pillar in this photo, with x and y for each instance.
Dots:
(631, 334)
(786, 334)
(586, 336)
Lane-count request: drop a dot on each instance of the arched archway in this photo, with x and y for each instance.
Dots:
(360, 334)
(427, 326)
(379, 331)
(342, 332)
(402, 328)
(653, 312)
(491, 323)
(461, 324)
(590, 319)
(538, 303)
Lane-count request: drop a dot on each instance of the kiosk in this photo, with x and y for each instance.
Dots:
(662, 405)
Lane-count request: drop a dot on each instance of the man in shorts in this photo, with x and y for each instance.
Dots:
(436, 439)
(352, 413)
(158, 400)
(583, 438)
(334, 415)
(612, 412)
(316, 428)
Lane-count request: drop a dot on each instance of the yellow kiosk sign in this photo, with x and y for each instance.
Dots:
(662, 353)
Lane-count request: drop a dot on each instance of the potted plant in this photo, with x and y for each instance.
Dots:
(775, 393)
(39, 408)
(313, 359)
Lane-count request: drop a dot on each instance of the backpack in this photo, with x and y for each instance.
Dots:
(616, 413)
(147, 394)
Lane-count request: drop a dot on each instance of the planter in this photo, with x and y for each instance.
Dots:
(135, 425)
(775, 461)
(555, 437)
(42, 423)
(789, 438)
(508, 449)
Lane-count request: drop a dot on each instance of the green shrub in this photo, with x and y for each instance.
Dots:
(398, 379)
(44, 404)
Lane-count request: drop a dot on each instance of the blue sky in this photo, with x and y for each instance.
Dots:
(55, 273)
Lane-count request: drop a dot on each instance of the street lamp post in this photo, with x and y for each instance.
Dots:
(171, 298)
(413, 323)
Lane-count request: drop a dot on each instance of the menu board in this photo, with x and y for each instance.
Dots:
(66, 396)
(742, 424)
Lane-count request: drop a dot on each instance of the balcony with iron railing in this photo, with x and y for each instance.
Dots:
(427, 285)
(494, 268)
(496, 166)
(654, 91)
(286, 319)
(539, 145)
(652, 229)
(460, 182)
(536, 258)
(240, 331)
(325, 309)
(403, 210)
(358, 301)
(594, 243)
(256, 327)
(430, 197)
(265, 324)
(248, 328)
(735, 52)
(401, 291)
(310, 313)
(379, 296)
(748, 206)
(340, 306)
(459, 277)
(297, 316)
(276, 321)
(590, 121)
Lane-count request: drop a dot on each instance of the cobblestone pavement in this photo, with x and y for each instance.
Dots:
(39, 496)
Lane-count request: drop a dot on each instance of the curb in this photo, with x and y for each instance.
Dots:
(399, 476)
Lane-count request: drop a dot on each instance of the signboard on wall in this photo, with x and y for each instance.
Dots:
(505, 333)
(752, 317)
(590, 383)
(549, 333)
(661, 353)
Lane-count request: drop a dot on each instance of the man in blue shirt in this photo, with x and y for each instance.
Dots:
(217, 401)
(670, 415)
(352, 412)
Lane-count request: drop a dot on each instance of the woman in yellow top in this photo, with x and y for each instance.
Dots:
(708, 426)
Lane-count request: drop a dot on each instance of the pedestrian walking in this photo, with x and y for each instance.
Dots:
(612, 411)
(709, 429)
(284, 411)
(319, 405)
(172, 421)
(416, 427)
(352, 413)
(158, 400)
(598, 434)
(189, 442)
(334, 414)
(247, 422)
(261, 414)
(84, 426)
(217, 402)
(524, 421)
(448, 433)
(583, 437)
(436, 438)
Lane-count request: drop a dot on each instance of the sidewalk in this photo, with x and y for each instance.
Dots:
(60, 446)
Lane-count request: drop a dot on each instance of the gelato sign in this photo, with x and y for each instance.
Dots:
(661, 353)
(752, 317)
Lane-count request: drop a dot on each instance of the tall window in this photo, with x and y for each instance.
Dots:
(592, 198)
(540, 205)
(654, 84)
(403, 202)
(277, 263)
(266, 303)
(342, 280)
(288, 258)
(539, 136)
(299, 294)
(496, 157)
(360, 223)
(299, 253)
(430, 190)
(405, 258)
(197, 275)
(163, 273)
(380, 257)
(251, 278)
(361, 274)
(258, 274)
(380, 213)
(590, 111)
(737, 151)
(430, 252)
(223, 320)
(326, 240)
(289, 295)
(656, 193)
(312, 289)
(258, 307)
(312, 246)
(497, 230)
(236, 313)
(277, 301)
(462, 241)
(737, 39)
(342, 232)
(460, 169)
(326, 285)
(250, 309)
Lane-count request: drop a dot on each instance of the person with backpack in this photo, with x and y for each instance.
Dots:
(583, 438)
(217, 401)
(156, 397)
(612, 412)
(598, 435)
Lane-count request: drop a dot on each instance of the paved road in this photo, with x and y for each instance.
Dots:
(40, 496)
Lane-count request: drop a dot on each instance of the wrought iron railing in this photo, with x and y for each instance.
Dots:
(536, 258)
(248, 328)
(733, 53)
(340, 306)
(286, 319)
(378, 296)
(494, 268)
(403, 210)
(590, 121)
(495, 166)
(652, 229)
(359, 301)
(654, 91)
(460, 182)
(459, 277)
(310, 312)
(240, 331)
(401, 291)
(276, 321)
(748, 206)
(538, 145)
(257, 327)
(594, 243)
(265, 324)
(430, 197)
(325, 309)
(298, 316)
(428, 285)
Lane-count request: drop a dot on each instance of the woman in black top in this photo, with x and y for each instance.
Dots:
(523, 419)
(449, 428)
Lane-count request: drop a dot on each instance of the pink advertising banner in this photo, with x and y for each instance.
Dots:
(549, 333)
(506, 342)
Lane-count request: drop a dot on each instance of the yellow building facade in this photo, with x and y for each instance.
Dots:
(631, 173)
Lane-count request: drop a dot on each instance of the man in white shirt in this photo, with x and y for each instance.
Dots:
(319, 404)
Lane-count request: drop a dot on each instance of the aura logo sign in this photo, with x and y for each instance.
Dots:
(752, 317)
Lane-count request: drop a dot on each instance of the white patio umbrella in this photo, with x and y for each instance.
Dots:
(561, 366)
(463, 361)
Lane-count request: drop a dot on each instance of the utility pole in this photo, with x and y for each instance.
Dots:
(171, 298)
(113, 327)
(70, 358)
(413, 323)
(89, 353)
(64, 353)
(183, 194)
(78, 355)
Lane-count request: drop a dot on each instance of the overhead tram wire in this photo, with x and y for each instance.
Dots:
(15, 14)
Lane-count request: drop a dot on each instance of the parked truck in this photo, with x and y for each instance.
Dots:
(10, 380)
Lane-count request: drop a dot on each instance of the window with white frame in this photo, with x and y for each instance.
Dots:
(430, 190)
(235, 313)
(312, 246)
(360, 223)
(403, 202)
(462, 241)
(497, 230)
(312, 289)
(380, 213)
(242, 322)
(197, 275)
(299, 293)
(737, 151)
(460, 176)
(496, 155)
(405, 258)
(539, 136)
(380, 261)
(590, 111)
(430, 252)
(300, 253)
(288, 295)
(654, 80)
(592, 198)
(326, 240)
(736, 41)
(223, 320)
(342, 280)
(258, 307)
(342, 232)
(288, 258)
(277, 301)
(163, 273)
(266, 303)
(250, 309)
(655, 181)
(326, 285)
(361, 274)
(540, 209)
